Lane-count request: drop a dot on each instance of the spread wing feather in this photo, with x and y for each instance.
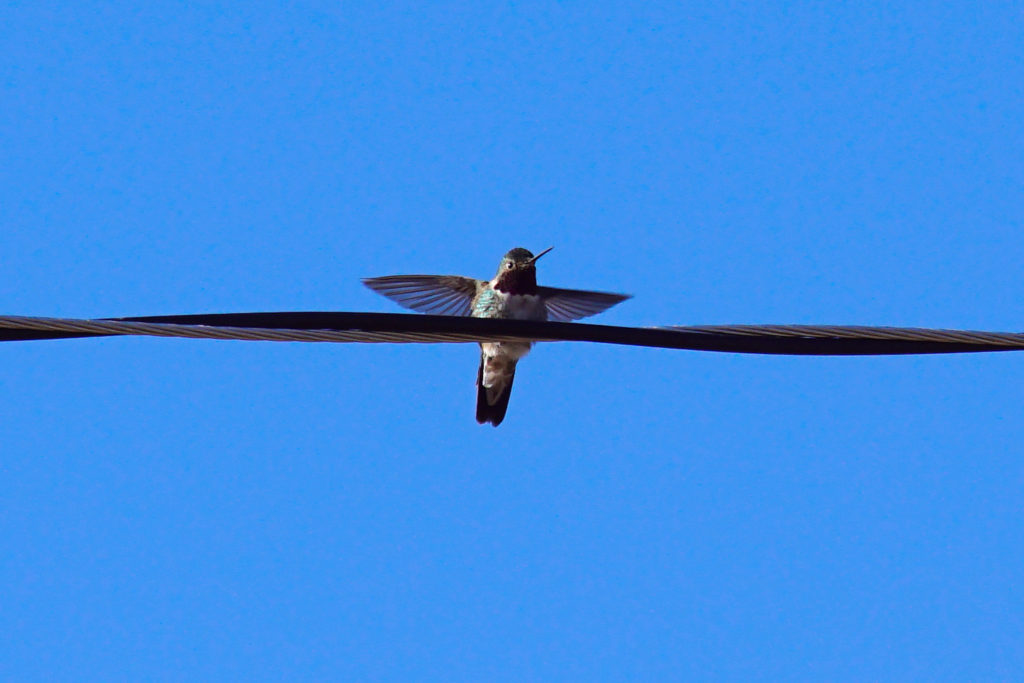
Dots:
(572, 304)
(437, 294)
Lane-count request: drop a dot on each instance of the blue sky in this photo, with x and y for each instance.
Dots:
(183, 510)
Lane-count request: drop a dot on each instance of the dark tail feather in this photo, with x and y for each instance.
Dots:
(491, 412)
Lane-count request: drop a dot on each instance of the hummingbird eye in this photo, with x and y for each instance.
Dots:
(508, 265)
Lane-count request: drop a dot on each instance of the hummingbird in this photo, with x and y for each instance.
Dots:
(513, 293)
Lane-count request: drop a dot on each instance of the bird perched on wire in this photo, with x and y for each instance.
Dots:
(513, 293)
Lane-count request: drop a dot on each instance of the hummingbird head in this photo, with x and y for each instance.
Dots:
(517, 273)
(520, 259)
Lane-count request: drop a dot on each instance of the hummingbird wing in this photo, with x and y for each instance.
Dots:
(437, 294)
(572, 304)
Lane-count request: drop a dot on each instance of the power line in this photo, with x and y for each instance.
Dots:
(405, 328)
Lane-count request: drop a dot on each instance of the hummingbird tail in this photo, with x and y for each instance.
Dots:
(492, 401)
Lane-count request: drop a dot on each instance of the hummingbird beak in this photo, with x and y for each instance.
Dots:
(534, 259)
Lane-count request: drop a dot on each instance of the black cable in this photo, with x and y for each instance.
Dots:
(732, 339)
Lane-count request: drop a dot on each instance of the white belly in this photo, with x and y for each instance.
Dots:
(510, 350)
(525, 307)
(500, 360)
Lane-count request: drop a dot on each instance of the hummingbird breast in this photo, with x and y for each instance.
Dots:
(492, 303)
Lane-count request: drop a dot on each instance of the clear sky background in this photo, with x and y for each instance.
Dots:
(189, 510)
